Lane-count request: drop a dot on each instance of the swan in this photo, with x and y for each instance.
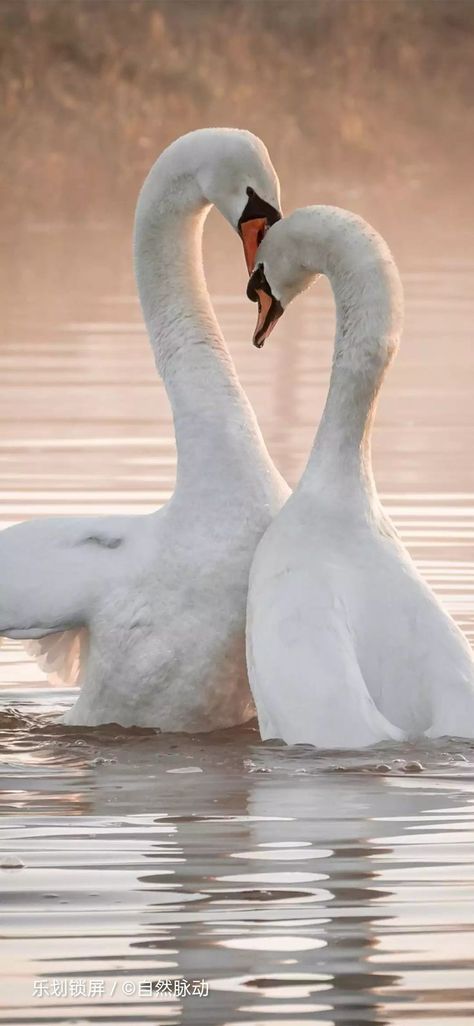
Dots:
(346, 644)
(147, 613)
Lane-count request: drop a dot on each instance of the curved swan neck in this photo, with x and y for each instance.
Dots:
(173, 292)
(369, 310)
(170, 276)
(190, 352)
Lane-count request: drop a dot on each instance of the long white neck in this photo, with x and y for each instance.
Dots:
(369, 311)
(210, 409)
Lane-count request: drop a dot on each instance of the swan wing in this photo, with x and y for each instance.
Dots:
(61, 657)
(304, 674)
(50, 572)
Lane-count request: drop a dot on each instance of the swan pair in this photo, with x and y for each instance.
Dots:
(346, 645)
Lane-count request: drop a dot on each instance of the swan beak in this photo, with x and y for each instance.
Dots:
(269, 312)
(252, 233)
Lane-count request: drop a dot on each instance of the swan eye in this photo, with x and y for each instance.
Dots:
(250, 191)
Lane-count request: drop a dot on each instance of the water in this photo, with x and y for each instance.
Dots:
(304, 887)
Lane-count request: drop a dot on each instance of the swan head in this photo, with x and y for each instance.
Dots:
(236, 175)
(324, 240)
(224, 167)
(281, 272)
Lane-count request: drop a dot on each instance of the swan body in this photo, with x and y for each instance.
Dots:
(346, 644)
(147, 613)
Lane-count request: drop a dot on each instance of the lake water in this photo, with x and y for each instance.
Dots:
(302, 887)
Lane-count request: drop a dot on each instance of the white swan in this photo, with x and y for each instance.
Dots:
(346, 644)
(154, 606)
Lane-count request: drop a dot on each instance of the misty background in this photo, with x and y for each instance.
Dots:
(362, 102)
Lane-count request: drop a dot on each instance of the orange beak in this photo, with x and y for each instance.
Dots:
(252, 233)
(269, 312)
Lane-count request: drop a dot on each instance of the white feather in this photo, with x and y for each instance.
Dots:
(60, 656)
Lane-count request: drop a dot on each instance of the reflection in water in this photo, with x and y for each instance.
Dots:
(158, 880)
(305, 887)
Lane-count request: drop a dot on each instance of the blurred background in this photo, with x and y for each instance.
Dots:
(363, 103)
(346, 93)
